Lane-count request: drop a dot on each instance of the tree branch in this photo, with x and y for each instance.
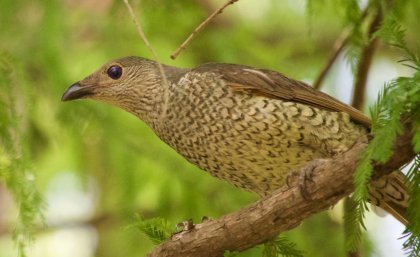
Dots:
(283, 210)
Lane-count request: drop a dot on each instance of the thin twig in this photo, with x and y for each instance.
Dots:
(200, 27)
(155, 56)
(365, 63)
(339, 45)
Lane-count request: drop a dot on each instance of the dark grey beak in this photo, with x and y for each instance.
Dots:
(76, 91)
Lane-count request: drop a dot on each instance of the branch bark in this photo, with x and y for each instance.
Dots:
(281, 211)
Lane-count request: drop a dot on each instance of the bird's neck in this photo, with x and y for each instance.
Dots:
(153, 99)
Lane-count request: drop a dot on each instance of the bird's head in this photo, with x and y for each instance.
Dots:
(128, 82)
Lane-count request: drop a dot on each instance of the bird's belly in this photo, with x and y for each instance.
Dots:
(255, 167)
(260, 162)
(254, 156)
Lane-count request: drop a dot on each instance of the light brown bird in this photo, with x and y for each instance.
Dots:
(251, 127)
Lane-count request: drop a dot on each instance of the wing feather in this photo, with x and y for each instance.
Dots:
(275, 85)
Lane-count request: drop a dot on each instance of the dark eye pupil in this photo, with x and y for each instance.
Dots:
(114, 72)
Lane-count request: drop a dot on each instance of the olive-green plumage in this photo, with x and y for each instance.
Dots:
(250, 127)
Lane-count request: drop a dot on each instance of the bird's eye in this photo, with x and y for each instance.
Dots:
(114, 72)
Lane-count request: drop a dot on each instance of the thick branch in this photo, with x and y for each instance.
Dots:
(281, 211)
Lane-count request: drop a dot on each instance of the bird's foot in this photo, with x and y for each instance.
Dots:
(206, 219)
(303, 177)
(185, 225)
(306, 176)
(188, 225)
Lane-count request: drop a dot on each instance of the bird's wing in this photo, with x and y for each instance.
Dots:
(275, 85)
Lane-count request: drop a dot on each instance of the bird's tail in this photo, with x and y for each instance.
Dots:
(391, 194)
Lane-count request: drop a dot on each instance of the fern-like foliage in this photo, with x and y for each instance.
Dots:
(352, 230)
(281, 247)
(15, 168)
(399, 97)
(156, 229)
(393, 33)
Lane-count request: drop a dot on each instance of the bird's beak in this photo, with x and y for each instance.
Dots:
(76, 91)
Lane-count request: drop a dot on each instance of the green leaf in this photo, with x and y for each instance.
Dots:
(281, 246)
(156, 229)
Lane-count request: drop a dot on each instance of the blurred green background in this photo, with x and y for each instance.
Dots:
(96, 166)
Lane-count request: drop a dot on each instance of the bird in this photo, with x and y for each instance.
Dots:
(248, 126)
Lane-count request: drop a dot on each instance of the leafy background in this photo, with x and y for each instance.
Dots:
(75, 175)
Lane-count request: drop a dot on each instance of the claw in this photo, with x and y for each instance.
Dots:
(205, 219)
(304, 177)
(291, 178)
(185, 225)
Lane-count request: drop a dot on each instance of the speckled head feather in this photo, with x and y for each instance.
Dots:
(131, 83)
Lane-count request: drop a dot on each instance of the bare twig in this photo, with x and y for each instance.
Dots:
(155, 56)
(283, 210)
(200, 27)
(339, 45)
(365, 63)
